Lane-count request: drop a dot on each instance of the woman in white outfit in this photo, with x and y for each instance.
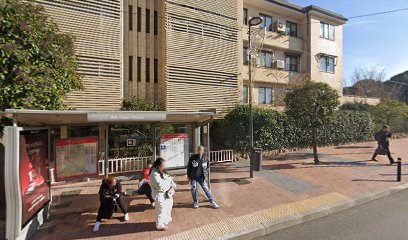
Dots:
(163, 188)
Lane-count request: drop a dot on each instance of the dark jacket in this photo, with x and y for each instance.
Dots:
(109, 193)
(197, 167)
(106, 197)
(383, 138)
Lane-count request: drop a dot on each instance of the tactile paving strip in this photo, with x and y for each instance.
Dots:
(234, 224)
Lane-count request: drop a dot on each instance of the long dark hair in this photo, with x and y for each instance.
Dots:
(156, 165)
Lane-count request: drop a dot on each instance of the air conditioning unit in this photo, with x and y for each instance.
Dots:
(280, 26)
(279, 64)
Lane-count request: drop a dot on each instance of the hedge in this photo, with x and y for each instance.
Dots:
(273, 130)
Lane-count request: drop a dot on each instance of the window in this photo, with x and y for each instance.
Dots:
(265, 59)
(130, 17)
(265, 95)
(147, 20)
(147, 69)
(156, 71)
(245, 55)
(156, 23)
(130, 68)
(327, 64)
(266, 22)
(139, 69)
(327, 31)
(245, 16)
(291, 29)
(139, 19)
(245, 94)
(292, 63)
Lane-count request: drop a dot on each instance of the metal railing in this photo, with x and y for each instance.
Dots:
(123, 165)
(222, 156)
(134, 164)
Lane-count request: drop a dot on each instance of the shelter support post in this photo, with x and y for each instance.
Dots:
(209, 155)
(154, 141)
(106, 150)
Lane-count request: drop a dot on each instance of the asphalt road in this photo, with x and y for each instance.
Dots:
(382, 219)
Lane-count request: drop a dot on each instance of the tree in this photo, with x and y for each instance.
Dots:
(370, 83)
(313, 106)
(400, 81)
(38, 67)
(357, 106)
(390, 111)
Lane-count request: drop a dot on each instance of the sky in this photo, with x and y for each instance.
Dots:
(379, 42)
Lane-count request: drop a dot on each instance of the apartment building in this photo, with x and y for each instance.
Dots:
(182, 54)
(189, 55)
(299, 43)
(97, 28)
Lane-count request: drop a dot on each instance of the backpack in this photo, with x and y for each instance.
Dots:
(377, 136)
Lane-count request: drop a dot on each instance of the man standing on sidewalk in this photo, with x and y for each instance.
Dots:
(197, 170)
(383, 138)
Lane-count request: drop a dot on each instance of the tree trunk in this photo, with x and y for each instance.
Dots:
(314, 145)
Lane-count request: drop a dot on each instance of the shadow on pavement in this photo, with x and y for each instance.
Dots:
(372, 180)
(351, 147)
(110, 229)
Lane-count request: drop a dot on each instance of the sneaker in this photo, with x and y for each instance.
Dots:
(126, 217)
(96, 227)
(165, 228)
(196, 206)
(214, 205)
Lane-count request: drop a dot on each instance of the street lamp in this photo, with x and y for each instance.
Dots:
(255, 21)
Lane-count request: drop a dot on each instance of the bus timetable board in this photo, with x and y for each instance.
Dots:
(174, 149)
(76, 158)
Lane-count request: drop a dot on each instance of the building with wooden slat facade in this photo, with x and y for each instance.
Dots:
(191, 55)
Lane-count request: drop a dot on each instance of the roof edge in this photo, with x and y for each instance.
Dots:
(308, 9)
(324, 11)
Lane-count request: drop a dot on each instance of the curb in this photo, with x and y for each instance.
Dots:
(269, 227)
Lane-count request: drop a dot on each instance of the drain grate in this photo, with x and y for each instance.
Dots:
(241, 181)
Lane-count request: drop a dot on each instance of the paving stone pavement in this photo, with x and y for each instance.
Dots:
(289, 184)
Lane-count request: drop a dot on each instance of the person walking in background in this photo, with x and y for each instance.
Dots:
(144, 186)
(383, 138)
(197, 170)
(163, 188)
(110, 194)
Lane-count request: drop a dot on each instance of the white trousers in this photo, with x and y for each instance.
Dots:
(163, 209)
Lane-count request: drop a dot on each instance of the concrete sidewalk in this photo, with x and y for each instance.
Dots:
(290, 190)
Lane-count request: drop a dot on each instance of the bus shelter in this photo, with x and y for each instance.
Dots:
(43, 146)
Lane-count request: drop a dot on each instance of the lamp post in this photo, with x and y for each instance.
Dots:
(252, 22)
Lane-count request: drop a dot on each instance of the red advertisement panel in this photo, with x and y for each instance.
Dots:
(33, 172)
(76, 158)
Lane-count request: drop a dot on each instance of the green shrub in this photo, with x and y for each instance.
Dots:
(274, 130)
(356, 107)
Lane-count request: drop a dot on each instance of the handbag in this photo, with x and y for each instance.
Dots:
(380, 150)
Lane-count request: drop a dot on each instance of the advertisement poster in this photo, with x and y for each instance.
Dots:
(33, 172)
(174, 149)
(76, 158)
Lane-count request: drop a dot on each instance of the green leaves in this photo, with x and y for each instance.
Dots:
(38, 66)
(276, 130)
(313, 104)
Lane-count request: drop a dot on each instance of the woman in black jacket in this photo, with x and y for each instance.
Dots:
(110, 194)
